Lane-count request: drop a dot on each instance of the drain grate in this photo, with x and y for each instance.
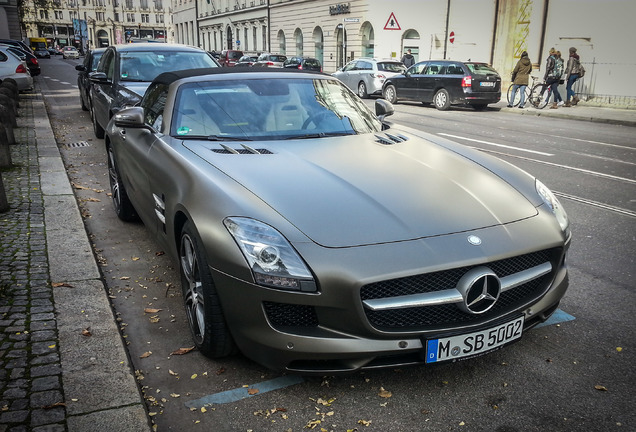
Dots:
(78, 144)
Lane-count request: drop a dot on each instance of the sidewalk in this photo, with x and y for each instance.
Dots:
(63, 365)
(583, 111)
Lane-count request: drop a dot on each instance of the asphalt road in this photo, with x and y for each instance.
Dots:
(573, 375)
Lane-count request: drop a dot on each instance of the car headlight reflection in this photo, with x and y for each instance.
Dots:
(273, 261)
(553, 203)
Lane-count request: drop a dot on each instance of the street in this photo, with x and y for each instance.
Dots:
(576, 373)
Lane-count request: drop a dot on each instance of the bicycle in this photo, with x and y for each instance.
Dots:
(540, 95)
(518, 95)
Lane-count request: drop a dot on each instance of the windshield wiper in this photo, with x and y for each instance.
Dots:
(319, 135)
(214, 138)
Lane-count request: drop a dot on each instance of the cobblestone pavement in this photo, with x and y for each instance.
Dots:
(31, 397)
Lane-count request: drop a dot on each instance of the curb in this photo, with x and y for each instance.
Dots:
(100, 389)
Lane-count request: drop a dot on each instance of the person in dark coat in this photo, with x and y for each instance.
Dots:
(408, 59)
(520, 78)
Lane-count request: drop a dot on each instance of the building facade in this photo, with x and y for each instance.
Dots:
(88, 24)
(492, 31)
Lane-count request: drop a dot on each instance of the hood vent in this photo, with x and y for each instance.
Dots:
(391, 139)
(244, 150)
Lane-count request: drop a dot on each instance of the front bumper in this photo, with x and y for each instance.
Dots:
(330, 331)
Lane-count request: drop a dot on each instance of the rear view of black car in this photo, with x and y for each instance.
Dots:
(304, 63)
(445, 83)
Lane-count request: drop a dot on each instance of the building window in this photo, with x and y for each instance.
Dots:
(59, 15)
(159, 4)
(145, 18)
(116, 16)
(130, 17)
(264, 38)
(100, 16)
(144, 4)
(129, 4)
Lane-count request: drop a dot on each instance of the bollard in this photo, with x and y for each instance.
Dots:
(8, 92)
(4, 203)
(7, 119)
(9, 103)
(5, 151)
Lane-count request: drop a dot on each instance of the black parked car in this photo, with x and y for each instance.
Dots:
(304, 63)
(446, 83)
(125, 71)
(246, 60)
(83, 83)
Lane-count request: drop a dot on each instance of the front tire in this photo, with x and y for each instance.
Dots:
(123, 207)
(362, 90)
(201, 301)
(390, 93)
(442, 100)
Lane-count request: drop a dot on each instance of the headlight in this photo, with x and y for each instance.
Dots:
(553, 203)
(273, 261)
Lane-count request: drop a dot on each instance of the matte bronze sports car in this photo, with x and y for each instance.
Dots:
(315, 237)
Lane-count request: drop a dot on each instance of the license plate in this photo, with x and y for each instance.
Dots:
(487, 84)
(473, 344)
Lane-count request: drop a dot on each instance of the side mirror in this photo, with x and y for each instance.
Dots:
(383, 108)
(98, 77)
(132, 117)
(80, 68)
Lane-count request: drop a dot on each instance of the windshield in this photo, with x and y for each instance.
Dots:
(146, 65)
(391, 67)
(269, 108)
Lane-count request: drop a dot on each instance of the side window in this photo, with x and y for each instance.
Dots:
(153, 104)
(434, 69)
(417, 69)
(364, 65)
(454, 69)
(3, 57)
(349, 66)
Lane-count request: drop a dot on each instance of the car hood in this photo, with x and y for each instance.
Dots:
(352, 191)
(139, 88)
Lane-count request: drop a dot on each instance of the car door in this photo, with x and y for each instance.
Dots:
(346, 75)
(409, 85)
(431, 80)
(138, 169)
(451, 78)
(102, 92)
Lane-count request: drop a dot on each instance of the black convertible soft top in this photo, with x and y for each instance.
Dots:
(168, 78)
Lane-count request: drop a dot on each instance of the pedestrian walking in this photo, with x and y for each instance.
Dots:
(408, 59)
(573, 73)
(520, 77)
(553, 74)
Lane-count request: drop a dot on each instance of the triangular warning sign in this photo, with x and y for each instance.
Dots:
(391, 23)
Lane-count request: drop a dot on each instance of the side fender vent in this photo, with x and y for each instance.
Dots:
(390, 139)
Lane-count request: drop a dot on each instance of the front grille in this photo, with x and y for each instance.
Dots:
(438, 316)
(281, 315)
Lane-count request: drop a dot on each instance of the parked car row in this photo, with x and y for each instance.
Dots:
(440, 82)
(24, 53)
(12, 66)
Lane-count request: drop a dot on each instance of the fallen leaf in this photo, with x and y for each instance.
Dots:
(619, 349)
(252, 391)
(152, 310)
(364, 422)
(172, 373)
(124, 278)
(56, 404)
(135, 258)
(193, 376)
(384, 393)
(62, 284)
(600, 388)
(87, 332)
(220, 371)
(160, 253)
(146, 354)
(175, 395)
(182, 351)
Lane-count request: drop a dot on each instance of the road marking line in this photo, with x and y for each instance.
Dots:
(242, 393)
(495, 144)
(584, 171)
(589, 202)
(557, 317)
